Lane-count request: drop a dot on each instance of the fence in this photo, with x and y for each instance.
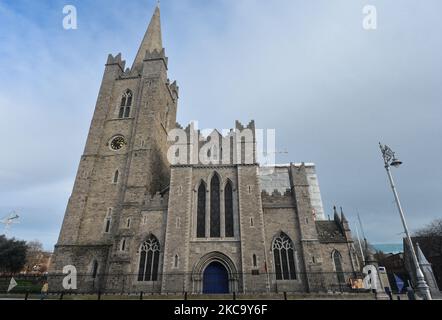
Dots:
(187, 283)
(393, 281)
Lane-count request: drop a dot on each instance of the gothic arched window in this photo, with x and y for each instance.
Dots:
(228, 207)
(284, 258)
(337, 261)
(149, 260)
(201, 212)
(215, 227)
(95, 269)
(126, 103)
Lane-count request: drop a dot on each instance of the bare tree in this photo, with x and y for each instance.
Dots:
(35, 245)
(434, 229)
(430, 240)
(34, 256)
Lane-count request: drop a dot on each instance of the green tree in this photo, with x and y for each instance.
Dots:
(12, 255)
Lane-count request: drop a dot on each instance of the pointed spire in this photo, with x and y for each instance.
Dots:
(336, 215)
(152, 39)
(343, 218)
(420, 256)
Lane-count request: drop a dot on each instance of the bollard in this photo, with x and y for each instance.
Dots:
(61, 295)
(26, 295)
(234, 296)
(285, 296)
(399, 298)
(99, 295)
(389, 293)
(141, 296)
(185, 296)
(410, 294)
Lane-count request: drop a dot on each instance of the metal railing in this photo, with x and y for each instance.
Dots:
(187, 284)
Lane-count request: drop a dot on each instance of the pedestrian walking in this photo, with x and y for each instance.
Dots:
(44, 290)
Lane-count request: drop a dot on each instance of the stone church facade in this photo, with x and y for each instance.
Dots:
(136, 222)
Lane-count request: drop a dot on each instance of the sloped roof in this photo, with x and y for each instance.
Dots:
(329, 232)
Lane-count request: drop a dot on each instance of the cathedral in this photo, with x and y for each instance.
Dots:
(137, 222)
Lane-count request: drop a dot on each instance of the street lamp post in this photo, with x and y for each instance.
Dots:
(391, 160)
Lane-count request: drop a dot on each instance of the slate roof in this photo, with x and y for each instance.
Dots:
(329, 232)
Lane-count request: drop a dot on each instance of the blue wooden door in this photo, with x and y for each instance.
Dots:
(216, 279)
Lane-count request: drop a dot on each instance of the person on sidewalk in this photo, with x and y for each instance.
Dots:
(44, 290)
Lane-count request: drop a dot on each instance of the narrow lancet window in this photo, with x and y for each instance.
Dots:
(337, 261)
(215, 228)
(228, 208)
(126, 104)
(116, 176)
(201, 214)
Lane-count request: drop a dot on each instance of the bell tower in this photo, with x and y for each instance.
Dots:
(125, 158)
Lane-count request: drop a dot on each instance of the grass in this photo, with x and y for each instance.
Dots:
(22, 286)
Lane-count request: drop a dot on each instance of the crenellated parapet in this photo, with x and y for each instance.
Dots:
(117, 60)
(156, 55)
(277, 199)
(157, 201)
(129, 74)
(250, 125)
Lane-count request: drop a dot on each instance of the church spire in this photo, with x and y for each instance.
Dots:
(152, 39)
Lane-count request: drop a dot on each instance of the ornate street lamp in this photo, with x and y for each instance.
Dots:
(390, 160)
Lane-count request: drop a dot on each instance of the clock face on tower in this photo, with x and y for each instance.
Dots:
(117, 143)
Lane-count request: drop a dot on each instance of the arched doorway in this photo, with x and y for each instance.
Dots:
(215, 279)
(215, 267)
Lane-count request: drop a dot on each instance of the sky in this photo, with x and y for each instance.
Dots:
(330, 88)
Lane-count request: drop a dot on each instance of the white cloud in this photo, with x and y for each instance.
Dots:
(308, 69)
